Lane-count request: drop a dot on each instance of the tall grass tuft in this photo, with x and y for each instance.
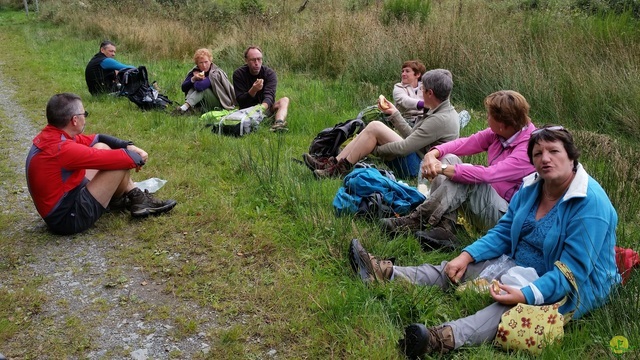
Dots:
(405, 11)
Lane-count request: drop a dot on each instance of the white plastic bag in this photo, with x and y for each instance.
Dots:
(152, 185)
(519, 276)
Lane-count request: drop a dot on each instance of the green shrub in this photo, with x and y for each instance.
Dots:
(605, 7)
(252, 7)
(405, 10)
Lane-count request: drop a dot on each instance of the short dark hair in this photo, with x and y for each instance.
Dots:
(415, 65)
(440, 81)
(61, 108)
(559, 133)
(250, 48)
(104, 43)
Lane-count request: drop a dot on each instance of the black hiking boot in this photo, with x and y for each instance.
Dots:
(441, 236)
(144, 204)
(419, 340)
(118, 203)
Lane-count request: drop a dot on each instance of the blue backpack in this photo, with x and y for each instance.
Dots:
(366, 192)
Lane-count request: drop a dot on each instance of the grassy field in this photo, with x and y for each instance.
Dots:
(257, 234)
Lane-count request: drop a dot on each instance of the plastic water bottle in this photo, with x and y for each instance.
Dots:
(152, 185)
(423, 184)
(464, 118)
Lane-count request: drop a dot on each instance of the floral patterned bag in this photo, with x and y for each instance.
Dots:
(532, 327)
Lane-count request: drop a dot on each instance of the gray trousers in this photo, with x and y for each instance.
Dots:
(480, 203)
(471, 330)
(206, 99)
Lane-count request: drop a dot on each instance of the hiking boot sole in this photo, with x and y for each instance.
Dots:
(414, 341)
(154, 211)
(359, 265)
(307, 161)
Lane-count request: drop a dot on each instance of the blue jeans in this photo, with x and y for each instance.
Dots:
(406, 166)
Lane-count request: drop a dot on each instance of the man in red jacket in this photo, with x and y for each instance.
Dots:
(73, 177)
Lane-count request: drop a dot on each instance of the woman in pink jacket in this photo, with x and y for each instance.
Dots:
(481, 192)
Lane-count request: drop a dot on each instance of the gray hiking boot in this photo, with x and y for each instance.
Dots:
(144, 204)
(419, 340)
(367, 266)
(314, 163)
(408, 223)
(340, 169)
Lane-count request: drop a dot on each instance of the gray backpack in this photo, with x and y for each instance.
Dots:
(240, 122)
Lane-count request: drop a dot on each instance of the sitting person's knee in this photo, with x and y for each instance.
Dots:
(100, 145)
(450, 159)
(282, 102)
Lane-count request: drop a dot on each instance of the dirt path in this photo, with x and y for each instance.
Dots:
(125, 316)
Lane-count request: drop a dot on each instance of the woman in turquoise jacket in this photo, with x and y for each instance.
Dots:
(560, 213)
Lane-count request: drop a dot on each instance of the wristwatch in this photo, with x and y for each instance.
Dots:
(444, 166)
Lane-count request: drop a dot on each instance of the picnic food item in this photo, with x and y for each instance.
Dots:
(383, 102)
(496, 286)
(478, 285)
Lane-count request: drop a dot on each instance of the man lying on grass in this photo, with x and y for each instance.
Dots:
(73, 177)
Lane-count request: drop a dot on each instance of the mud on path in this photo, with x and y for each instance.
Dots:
(83, 306)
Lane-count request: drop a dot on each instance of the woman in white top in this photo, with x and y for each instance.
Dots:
(407, 94)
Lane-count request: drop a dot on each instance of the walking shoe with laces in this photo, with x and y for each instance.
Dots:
(279, 125)
(179, 112)
(144, 204)
(314, 163)
(441, 236)
(419, 340)
(119, 203)
(437, 238)
(339, 169)
(367, 266)
(395, 225)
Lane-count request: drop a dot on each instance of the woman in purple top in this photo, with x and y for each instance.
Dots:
(482, 192)
(206, 86)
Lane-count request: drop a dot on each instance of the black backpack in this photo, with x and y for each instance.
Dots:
(134, 84)
(327, 142)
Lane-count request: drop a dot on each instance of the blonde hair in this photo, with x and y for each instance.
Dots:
(201, 53)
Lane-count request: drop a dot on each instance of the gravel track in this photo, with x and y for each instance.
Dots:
(121, 317)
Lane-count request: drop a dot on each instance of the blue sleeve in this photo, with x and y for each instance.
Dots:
(202, 85)
(112, 64)
(187, 84)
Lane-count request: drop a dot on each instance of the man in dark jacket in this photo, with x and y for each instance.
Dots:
(102, 69)
(256, 84)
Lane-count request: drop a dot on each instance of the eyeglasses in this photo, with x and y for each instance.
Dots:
(549, 128)
(85, 113)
